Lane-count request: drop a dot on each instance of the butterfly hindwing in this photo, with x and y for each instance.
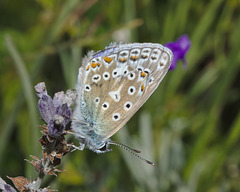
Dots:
(116, 82)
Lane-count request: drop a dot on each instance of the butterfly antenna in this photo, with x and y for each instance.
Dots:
(133, 151)
(124, 146)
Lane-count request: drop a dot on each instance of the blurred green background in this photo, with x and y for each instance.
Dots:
(189, 127)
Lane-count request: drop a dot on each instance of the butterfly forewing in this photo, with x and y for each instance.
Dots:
(116, 82)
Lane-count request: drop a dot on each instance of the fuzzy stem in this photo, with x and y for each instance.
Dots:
(38, 182)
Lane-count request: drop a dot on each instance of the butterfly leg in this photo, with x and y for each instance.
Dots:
(81, 147)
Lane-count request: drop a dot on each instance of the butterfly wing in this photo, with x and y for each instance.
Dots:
(116, 82)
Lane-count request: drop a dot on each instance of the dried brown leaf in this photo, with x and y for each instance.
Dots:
(20, 182)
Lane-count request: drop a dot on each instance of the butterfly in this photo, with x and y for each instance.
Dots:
(112, 85)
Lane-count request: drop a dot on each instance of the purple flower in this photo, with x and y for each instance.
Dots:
(5, 187)
(179, 49)
(8, 188)
(54, 112)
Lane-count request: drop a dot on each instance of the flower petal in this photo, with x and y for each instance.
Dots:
(58, 98)
(179, 49)
(46, 108)
(40, 89)
(61, 98)
(64, 111)
(55, 126)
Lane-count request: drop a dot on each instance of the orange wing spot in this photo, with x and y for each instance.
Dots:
(122, 60)
(143, 74)
(134, 57)
(98, 64)
(93, 65)
(142, 88)
(87, 67)
(108, 59)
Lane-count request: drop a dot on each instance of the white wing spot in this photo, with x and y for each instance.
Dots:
(106, 75)
(127, 106)
(87, 88)
(115, 73)
(146, 50)
(140, 68)
(131, 90)
(135, 52)
(155, 55)
(83, 104)
(116, 116)
(123, 54)
(97, 100)
(105, 105)
(145, 53)
(163, 60)
(96, 78)
(125, 72)
(116, 94)
(151, 80)
(131, 75)
(146, 70)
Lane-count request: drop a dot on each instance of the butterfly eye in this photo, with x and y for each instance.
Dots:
(104, 148)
